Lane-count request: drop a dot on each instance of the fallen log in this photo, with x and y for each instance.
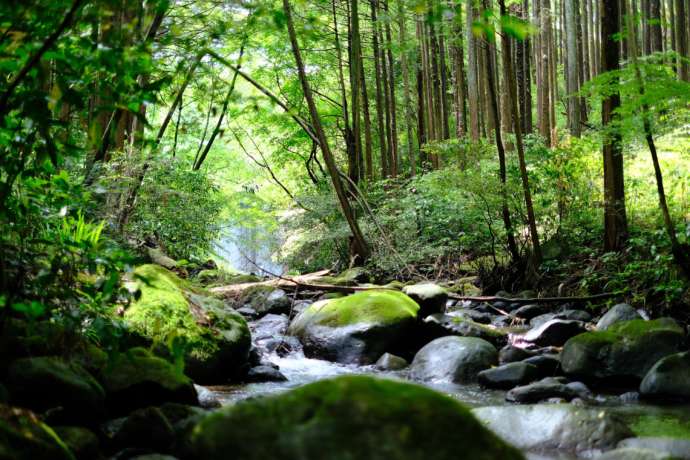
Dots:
(589, 298)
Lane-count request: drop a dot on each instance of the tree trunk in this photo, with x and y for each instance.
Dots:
(472, 74)
(380, 107)
(407, 98)
(572, 72)
(683, 67)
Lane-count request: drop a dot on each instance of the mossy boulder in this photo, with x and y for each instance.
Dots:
(138, 379)
(430, 297)
(625, 351)
(357, 328)
(24, 437)
(220, 277)
(82, 442)
(216, 337)
(350, 277)
(668, 378)
(50, 382)
(353, 417)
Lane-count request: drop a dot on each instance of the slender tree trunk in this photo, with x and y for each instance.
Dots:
(355, 82)
(681, 35)
(407, 98)
(459, 85)
(472, 74)
(394, 161)
(654, 24)
(380, 105)
(572, 73)
(360, 246)
(615, 220)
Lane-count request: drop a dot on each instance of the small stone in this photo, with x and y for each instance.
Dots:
(391, 362)
(511, 354)
(508, 375)
(264, 373)
(542, 390)
(547, 365)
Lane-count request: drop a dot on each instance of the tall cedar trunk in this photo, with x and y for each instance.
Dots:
(391, 95)
(459, 85)
(472, 74)
(512, 96)
(349, 145)
(407, 97)
(355, 83)
(359, 245)
(681, 35)
(573, 64)
(421, 109)
(368, 142)
(445, 104)
(493, 101)
(386, 107)
(525, 80)
(615, 220)
(654, 26)
(380, 107)
(585, 41)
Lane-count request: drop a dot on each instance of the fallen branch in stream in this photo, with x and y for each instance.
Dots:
(589, 298)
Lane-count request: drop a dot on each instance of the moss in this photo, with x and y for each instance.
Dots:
(395, 284)
(473, 329)
(137, 366)
(348, 417)
(220, 277)
(425, 291)
(24, 437)
(370, 307)
(638, 327)
(663, 425)
(350, 277)
(83, 443)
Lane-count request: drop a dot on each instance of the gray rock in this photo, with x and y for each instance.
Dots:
(617, 313)
(668, 378)
(143, 428)
(390, 362)
(675, 448)
(545, 389)
(430, 297)
(577, 315)
(555, 332)
(264, 374)
(276, 301)
(627, 350)
(474, 315)
(248, 312)
(631, 453)
(441, 325)
(547, 365)
(541, 320)
(563, 427)
(511, 354)
(453, 359)
(508, 375)
(207, 399)
(527, 312)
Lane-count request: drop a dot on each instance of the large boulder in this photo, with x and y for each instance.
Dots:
(51, 382)
(24, 437)
(138, 379)
(617, 313)
(215, 336)
(549, 427)
(627, 350)
(668, 378)
(453, 359)
(430, 297)
(358, 328)
(353, 417)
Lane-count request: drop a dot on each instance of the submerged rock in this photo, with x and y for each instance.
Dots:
(668, 378)
(508, 375)
(627, 350)
(430, 297)
(50, 382)
(546, 426)
(453, 359)
(216, 336)
(264, 373)
(24, 437)
(358, 328)
(138, 379)
(617, 313)
(390, 362)
(353, 417)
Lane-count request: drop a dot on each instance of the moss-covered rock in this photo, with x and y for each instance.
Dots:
(357, 328)
(440, 325)
(138, 379)
(626, 350)
(430, 297)
(50, 382)
(82, 442)
(24, 437)
(354, 417)
(668, 378)
(220, 277)
(216, 336)
(350, 277)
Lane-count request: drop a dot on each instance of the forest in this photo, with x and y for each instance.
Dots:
(343, 230)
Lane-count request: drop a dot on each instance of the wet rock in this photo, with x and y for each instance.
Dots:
(282, 345)
(540, 320)
(508, 375)
(547, 365)
(440, 325)
(390, 362)
(352, 417)
(51, 382)
(430, 297)
(554, 333)
(358, 328)
(629, 397)
(511, 354)
(144, 428)
(549, 427)
(473, 315)
(264, 374)
(453, 359)
(24, 437)
(218, 337)
(527, 312)
(617, 313)
(576, 315)
(545, 389)
(269, 331)
(625, 351)
(82, 442)
(675, 448)
(137, 379)
(631, 453)
(349, 277)
(668, 378)
(248, 312)
(207, 399)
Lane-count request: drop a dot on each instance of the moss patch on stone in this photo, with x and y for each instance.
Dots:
(662, 425)
(369, 307)
(347, 418)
